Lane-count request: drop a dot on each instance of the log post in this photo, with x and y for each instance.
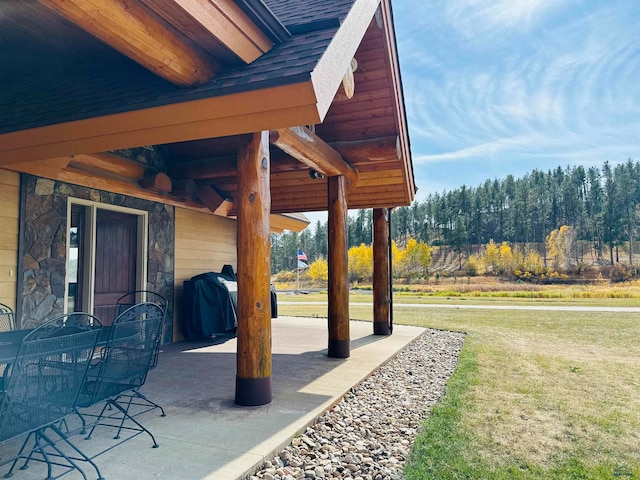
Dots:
(381, 262)
(338, 301)
(253, 379)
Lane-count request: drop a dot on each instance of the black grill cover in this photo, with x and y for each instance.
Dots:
(211, 303)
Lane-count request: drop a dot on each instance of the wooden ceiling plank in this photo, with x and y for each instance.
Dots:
(142, 36)
(305, 146)
(208, 23)
(374, 149)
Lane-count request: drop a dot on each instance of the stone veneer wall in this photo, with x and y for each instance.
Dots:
(42, 261)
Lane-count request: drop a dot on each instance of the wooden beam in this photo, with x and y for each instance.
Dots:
(381, 268)
(61, 169)
(219, 167)
(186, 189)
(109, 163)
(141, 35)
(305, 146)
(211, 23)
(253, 379)
(226, 167)
(338, 260)
(215, 202)
(158, 182)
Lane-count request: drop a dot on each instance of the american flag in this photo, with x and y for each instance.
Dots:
(302, 256)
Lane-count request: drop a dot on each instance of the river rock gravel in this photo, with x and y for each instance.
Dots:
(368, 435)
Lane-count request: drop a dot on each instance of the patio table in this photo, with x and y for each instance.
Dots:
(10, 342)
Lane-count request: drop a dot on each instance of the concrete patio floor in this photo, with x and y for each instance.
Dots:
(205, 435)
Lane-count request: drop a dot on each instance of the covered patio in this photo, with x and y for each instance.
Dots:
(205, 435)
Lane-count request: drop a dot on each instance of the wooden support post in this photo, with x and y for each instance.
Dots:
(381, 262)
(338, 301)
(253, 379)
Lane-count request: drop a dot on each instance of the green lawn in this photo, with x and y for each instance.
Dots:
(537, 394)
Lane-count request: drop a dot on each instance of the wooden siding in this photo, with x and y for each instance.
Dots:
(9, 208)
(204, 243)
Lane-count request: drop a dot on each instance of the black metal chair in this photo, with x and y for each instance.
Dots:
(42, 388)
(7, 319)
(130, 299)
(122, 370)
(7, 323)
(127, 301)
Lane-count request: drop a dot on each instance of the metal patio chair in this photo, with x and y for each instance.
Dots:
(130, 299)
(42, 388)
(122, 370)
(7, 318)
(127, 301)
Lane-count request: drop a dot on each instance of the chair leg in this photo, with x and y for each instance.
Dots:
(20, 455)
(140, 426)
(83, 456)
(150, 402)
(97, 421)
(41, 441)
(60, 453)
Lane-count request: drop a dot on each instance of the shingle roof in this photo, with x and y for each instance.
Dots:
(300, 12)
(124, 86)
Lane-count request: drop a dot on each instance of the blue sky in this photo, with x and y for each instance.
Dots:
(498, 87)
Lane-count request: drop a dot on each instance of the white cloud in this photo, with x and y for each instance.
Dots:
(488, 149)
(520, 81)
(489, 17)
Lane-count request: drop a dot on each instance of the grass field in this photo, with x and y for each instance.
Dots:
(537, 394)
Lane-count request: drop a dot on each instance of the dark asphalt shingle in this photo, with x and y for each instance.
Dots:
(123, 85)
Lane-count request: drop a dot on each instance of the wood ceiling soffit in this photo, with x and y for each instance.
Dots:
(209, 23)
(370, 150)
(226, 167)
(219, 167)
(305, 146)
(139, 34)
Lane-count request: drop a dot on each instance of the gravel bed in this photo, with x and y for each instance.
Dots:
(369, 433)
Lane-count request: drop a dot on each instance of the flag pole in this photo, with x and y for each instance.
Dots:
(297, 274)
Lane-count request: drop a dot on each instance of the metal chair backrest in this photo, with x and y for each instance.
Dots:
(43, 383)
(7, 319)
(130, 299)
(128, 355)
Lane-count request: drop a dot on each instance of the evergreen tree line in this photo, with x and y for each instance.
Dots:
(601, 204)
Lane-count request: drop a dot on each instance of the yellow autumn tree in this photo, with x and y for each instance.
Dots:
(318, 271)
(561, 246)
(416, 259)
(492, 256)
(509, 259)
(361, 262)
(396, 259)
